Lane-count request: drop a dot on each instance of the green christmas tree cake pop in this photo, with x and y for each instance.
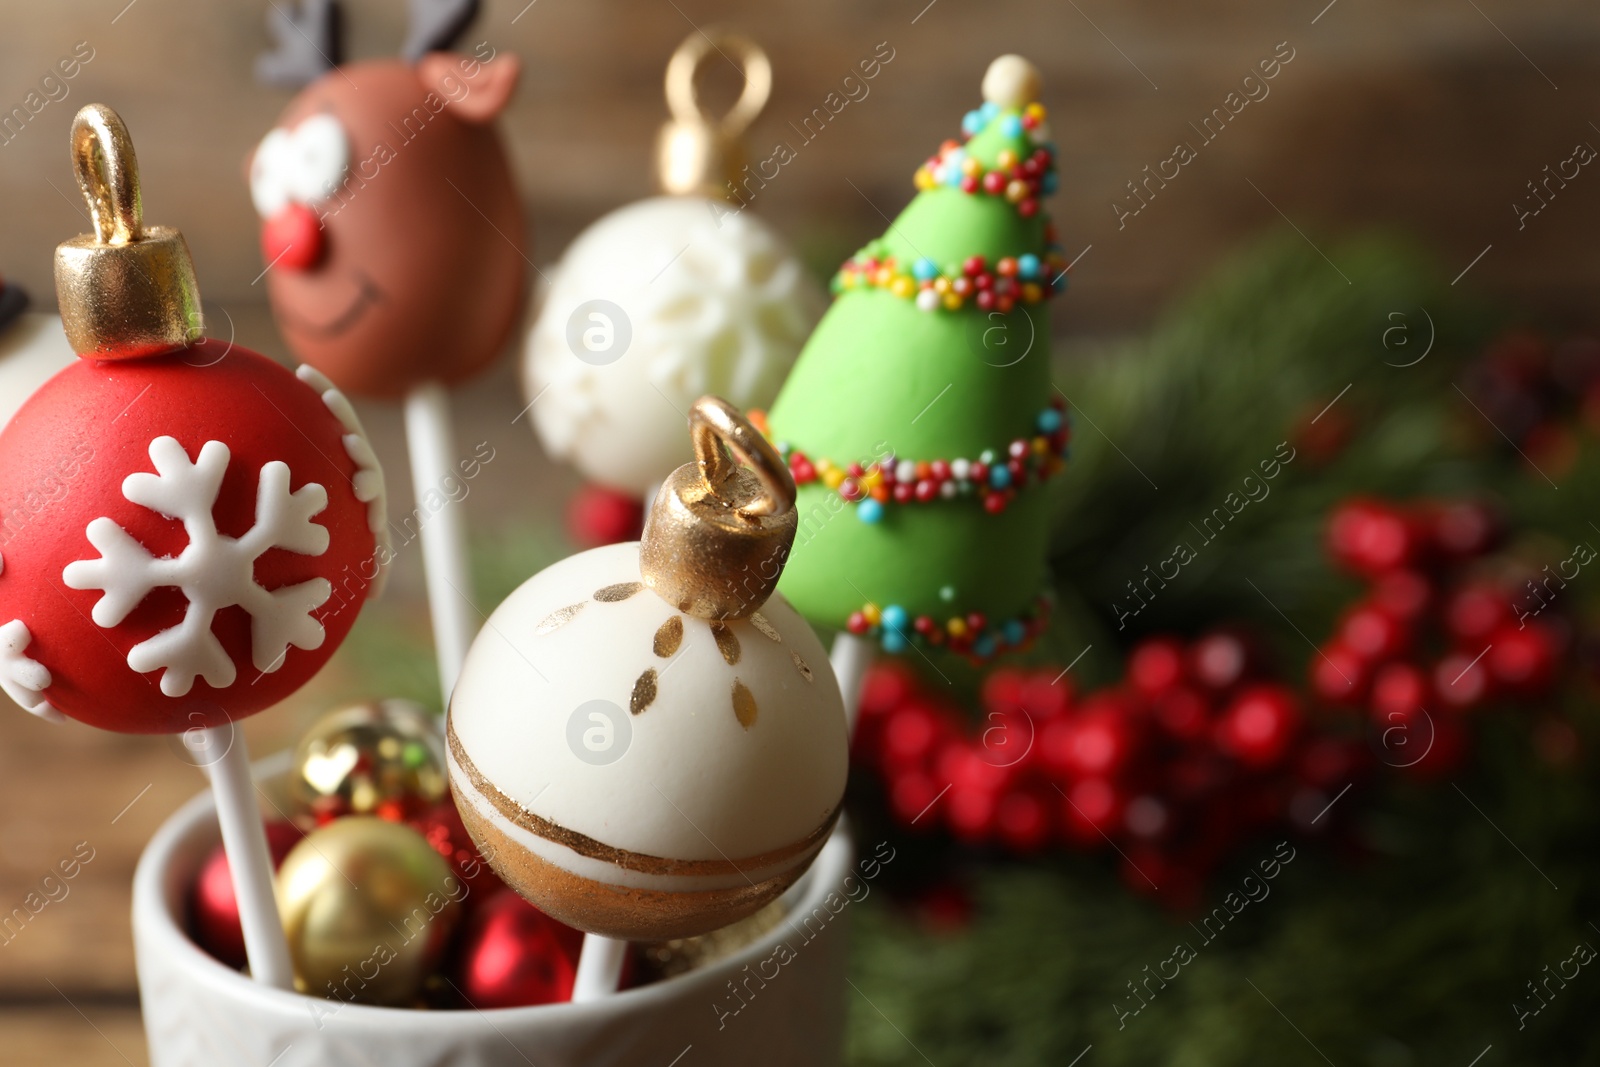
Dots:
(920, 421)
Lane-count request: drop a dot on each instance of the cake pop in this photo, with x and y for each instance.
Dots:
(388, 211)
(187, 529)
(393, 239)
(670, 298)
(32, 349)
(642, 742)
(920, 421)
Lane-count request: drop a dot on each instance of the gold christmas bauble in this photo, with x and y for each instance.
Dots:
(383, 757)
(368, 907)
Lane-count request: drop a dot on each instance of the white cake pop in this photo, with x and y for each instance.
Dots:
(669, 299)
(33, 348)
(643, 744)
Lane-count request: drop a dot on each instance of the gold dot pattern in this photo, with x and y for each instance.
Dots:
(770, 632)
(612, 594)
(557, 619)
(744, 704)
(669, 637)
(644, 692)
(727, 642)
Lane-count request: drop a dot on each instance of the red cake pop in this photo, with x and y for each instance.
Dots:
(187, 529)
(390, 219)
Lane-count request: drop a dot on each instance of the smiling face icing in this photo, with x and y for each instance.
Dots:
(390, 221)
(638, 772)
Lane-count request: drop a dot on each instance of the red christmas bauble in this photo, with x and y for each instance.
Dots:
(512, 955)
(214, 910)
(442, 827)
(600, 516)
(187, 538)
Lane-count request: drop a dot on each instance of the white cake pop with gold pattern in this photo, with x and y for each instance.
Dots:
(642, 742)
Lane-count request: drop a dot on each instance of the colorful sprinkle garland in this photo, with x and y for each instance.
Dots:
(1025, 279)
(871, 487)
(972, 635)
(1020, 180)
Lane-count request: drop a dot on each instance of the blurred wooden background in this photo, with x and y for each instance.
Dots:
(1424, 115)
(1429, 116)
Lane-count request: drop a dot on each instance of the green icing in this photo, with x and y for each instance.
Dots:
(878, 375)
(948, 225)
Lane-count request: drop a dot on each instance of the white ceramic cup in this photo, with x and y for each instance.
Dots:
(777, 1003)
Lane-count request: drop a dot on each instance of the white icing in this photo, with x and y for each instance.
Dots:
(716, 303)
(24, 679)
(302, 165)
(693, 783)
(368, 484)
(213, 571)
(609, 873)
(1011, 81)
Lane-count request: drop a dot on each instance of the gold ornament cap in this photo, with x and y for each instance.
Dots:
(697, 154)
(719, 533)
(127, 290)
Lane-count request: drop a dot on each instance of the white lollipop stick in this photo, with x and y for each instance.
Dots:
(851, 657)
(431, 440)
(244, 839)
(599, 968)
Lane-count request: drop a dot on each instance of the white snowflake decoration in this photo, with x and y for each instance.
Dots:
(368, 484)
(23, 678)
(213, 571)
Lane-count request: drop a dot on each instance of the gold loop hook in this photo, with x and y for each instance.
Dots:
(683, 98)
(108, 174)
(715, 423)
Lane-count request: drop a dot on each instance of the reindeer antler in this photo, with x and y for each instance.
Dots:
(435, 25)
(308, 42)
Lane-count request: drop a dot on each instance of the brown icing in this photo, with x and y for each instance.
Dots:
(423, 271)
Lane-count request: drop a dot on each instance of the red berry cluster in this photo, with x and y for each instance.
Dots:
(1537, 393)
(1172, 768)
(1431, 638)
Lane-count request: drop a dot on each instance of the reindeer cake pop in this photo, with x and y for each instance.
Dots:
(392, 235)
(389, 216)
(644, 744)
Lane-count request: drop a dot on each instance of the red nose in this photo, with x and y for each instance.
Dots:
(293, 239)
